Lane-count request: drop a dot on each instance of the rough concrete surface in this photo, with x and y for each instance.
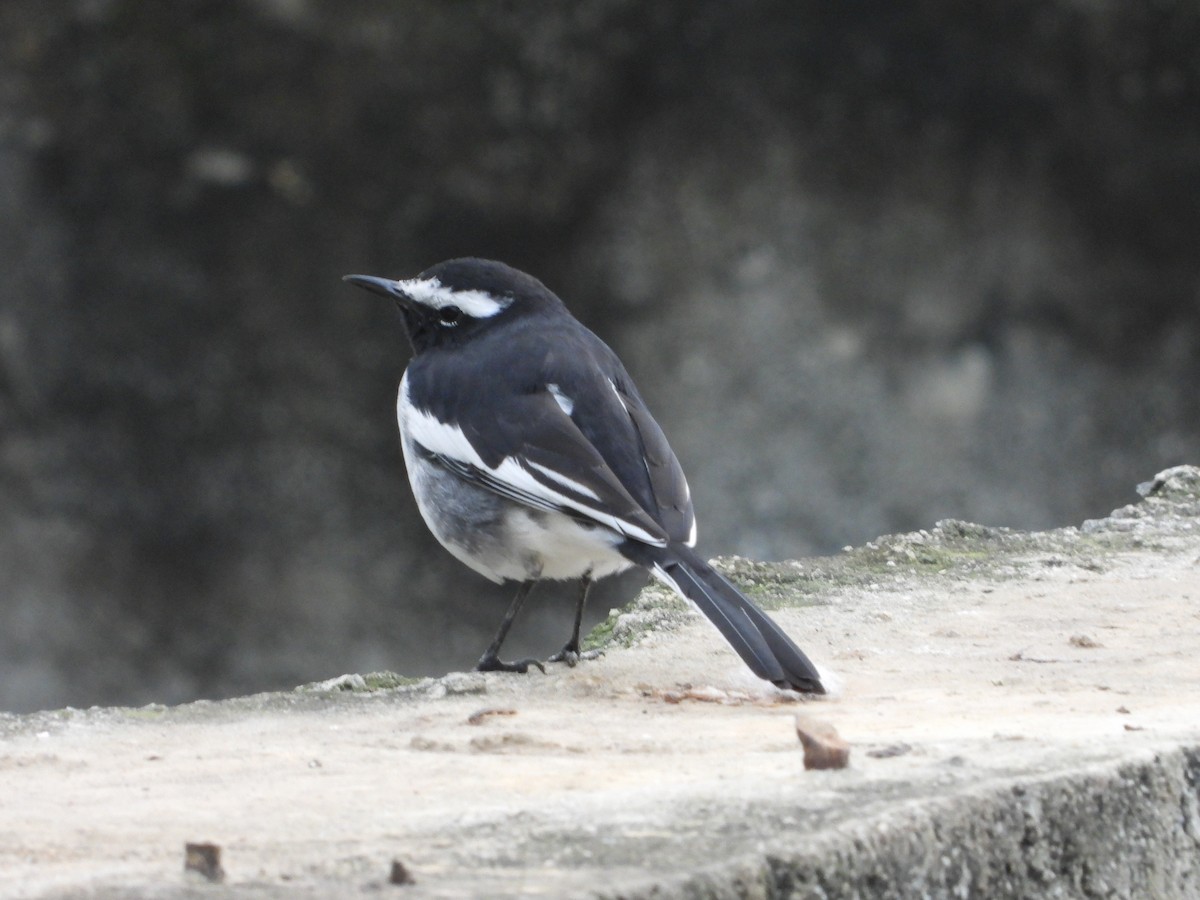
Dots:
(1023, 712)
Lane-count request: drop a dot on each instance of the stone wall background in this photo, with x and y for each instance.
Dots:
(872, 267)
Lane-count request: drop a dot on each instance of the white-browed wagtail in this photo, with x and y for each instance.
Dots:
(532, 456)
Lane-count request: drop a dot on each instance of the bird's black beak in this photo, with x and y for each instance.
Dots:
(385, 287)
(413, 316)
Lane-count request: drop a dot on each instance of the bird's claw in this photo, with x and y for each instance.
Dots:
(571, 655)
(493, 663)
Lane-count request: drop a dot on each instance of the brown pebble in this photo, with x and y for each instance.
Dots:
(476, 718)
(823, 748)
(889, 751)
(400, 874)
(204, 860)
(1082, 640)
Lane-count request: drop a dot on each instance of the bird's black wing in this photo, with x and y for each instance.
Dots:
(668, 485)
(606, 406)
(555, 423)
(535, 454)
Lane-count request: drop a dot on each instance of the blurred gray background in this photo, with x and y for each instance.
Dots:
(873, 265)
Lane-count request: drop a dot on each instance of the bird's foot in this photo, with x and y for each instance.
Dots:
(492, 663)
(571, 654)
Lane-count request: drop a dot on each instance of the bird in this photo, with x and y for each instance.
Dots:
(532, 456)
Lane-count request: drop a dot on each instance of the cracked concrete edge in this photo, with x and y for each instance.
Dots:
(1123, 828)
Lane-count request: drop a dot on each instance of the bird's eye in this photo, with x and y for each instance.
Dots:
(450, 315)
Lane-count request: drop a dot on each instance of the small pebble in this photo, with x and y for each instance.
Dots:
(400, 874)
(890, 751)
(204, 860)
(477, 717)
(823, 748)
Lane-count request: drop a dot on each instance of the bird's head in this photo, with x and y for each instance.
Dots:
(459, 297)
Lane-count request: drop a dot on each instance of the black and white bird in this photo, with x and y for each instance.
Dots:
(532, 456)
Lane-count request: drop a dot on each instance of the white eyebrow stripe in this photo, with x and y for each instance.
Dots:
(565, 403)
(432, 293)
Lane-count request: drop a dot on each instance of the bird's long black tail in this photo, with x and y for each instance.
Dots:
(757, 639)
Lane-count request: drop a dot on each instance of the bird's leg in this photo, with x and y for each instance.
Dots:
(490, 661)
(570, 652)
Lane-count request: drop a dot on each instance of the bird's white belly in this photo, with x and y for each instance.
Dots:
(505, 540)
(558, 546)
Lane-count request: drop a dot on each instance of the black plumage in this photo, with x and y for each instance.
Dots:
(532, 455)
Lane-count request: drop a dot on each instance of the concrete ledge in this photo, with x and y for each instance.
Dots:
(1023, 712)
(1125, 829)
